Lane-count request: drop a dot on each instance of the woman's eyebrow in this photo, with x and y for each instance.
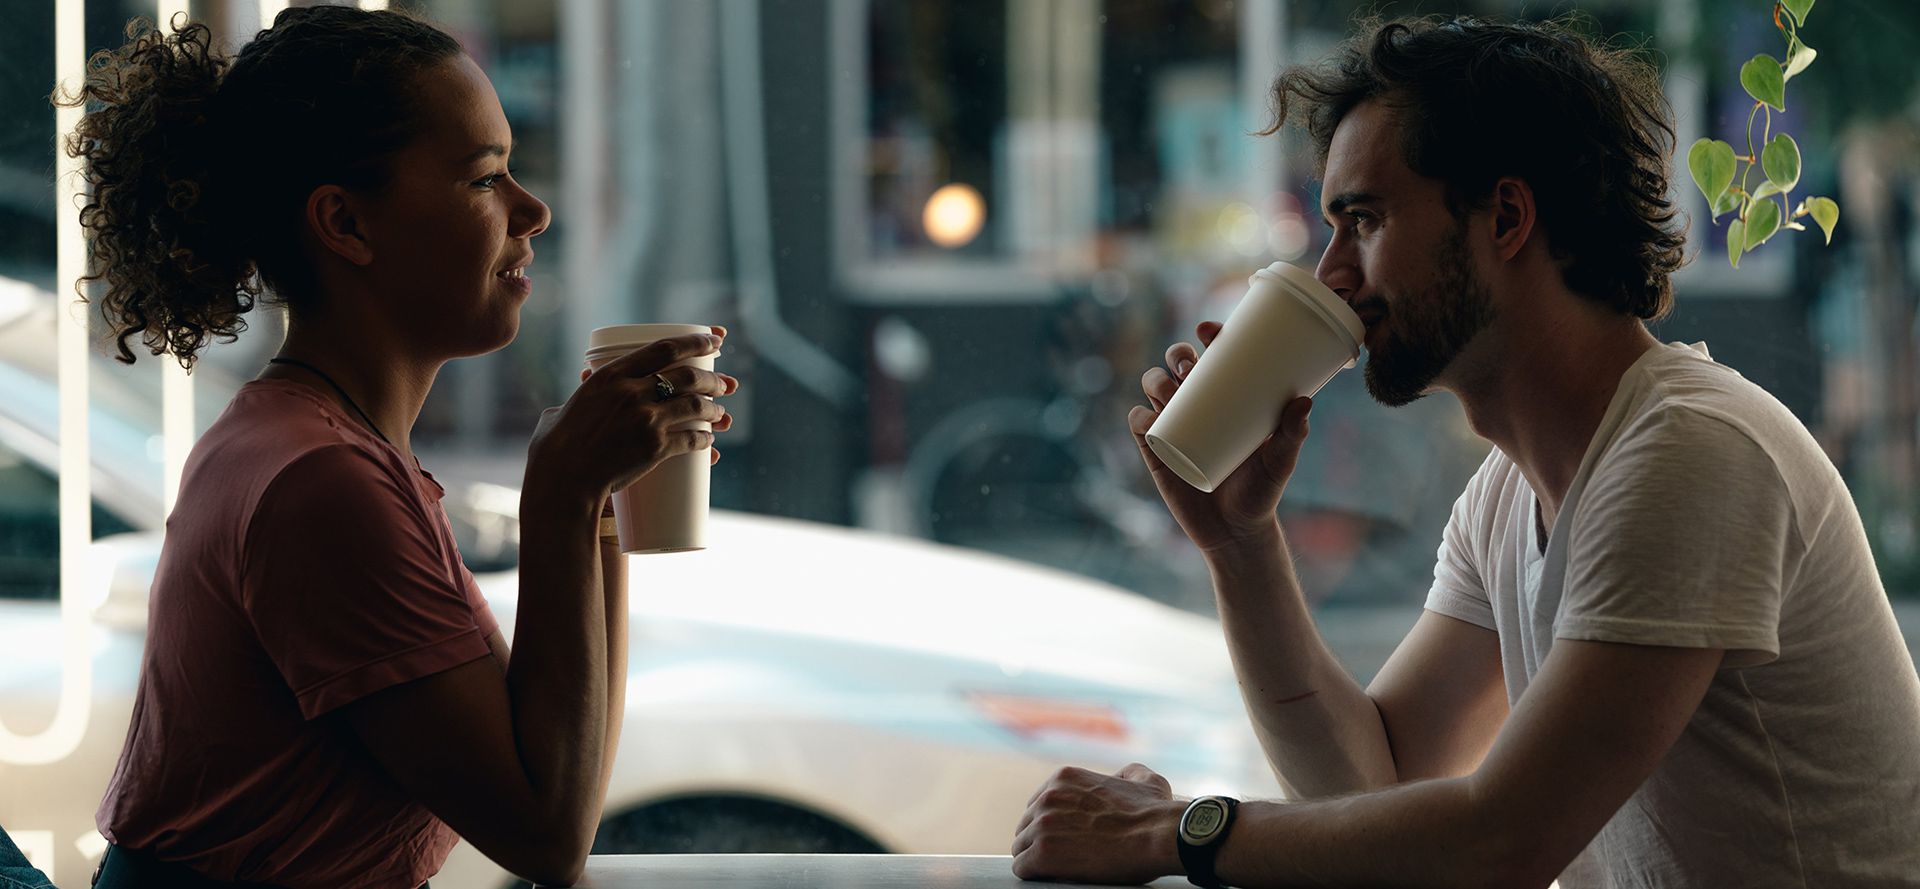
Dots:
(491, 149)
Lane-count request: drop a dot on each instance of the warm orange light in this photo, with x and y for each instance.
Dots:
(954, 215)
(1030, 717)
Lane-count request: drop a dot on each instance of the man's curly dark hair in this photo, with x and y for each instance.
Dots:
(1584, 124)
(199, 165)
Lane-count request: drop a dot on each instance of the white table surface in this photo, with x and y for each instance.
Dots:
(810, 871)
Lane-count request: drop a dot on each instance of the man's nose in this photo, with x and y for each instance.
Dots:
(1338, 270)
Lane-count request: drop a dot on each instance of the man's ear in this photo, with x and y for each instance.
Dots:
(331, 214)
(1513, 217)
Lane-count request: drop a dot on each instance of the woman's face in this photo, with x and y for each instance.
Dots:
(451, 234)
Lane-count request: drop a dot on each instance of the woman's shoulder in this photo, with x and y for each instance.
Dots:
(272, 426)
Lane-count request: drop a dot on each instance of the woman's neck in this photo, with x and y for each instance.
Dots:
(385, 383)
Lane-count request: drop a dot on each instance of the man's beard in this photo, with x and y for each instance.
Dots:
(1426, 331)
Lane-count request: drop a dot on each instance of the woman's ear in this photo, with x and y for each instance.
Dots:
(331, 216)
(1513, 216)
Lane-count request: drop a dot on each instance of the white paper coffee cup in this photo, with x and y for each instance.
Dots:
(1288, 336)
(666, 510)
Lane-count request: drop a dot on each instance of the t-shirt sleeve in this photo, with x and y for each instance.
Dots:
(346, 584)
(482, 612)
(1681, 539)
(1459, 590)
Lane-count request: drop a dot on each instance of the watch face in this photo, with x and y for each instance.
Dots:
(1203, 820)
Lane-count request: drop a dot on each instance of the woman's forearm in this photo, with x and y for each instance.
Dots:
(613, 573)
(558, 677)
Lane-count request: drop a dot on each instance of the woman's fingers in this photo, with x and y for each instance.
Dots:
(686, 441)
(661, 354)
(679, 411)
(1207, 331)
(689, 380)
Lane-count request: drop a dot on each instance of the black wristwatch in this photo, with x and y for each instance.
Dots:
(1203, 827)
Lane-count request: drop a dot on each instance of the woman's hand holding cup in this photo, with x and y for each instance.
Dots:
(1240, 510)
(621, 424)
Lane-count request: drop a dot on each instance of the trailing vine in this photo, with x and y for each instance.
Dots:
(1715, 165)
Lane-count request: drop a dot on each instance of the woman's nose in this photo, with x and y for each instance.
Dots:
(531, 217)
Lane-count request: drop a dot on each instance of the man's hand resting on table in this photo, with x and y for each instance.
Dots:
(1092, 828)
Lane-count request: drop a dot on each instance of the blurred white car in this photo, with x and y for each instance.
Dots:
(797, 687)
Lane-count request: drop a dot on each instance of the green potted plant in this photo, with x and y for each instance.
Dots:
(1725, 176)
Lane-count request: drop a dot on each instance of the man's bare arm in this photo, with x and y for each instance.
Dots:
(1433, 710)
(1596, 722)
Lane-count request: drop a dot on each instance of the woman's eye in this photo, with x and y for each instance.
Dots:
(489, 181)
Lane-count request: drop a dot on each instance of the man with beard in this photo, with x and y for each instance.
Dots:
(1655, 652)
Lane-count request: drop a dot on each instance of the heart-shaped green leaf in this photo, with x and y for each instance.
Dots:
(1763, 219)
(1736, 241)
(1711, 163)
(1764, 82)
(1766, 190)
(1781, 161)
(1799, 56)
(1799, 8)
(1729, 201)
(1825, 212)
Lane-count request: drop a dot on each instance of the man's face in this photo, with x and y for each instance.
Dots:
(1398, 257)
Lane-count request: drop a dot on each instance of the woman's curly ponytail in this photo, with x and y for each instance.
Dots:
(176, 275)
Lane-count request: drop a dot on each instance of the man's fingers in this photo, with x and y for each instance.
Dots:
(1293, 417)
(1279, 453)
(1134, 771)
(1139, 420)
(1181, 358)
(1141, 773)
(1159, 387)
(1207, 330)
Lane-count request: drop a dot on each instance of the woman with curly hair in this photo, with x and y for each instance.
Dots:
(325, 698)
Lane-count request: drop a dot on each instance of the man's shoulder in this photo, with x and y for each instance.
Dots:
(1692, 403)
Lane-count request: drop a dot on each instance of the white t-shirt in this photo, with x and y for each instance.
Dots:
(1704, 515)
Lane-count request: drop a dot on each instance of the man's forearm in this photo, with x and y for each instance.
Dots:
(1427, 833)
(1320, 730)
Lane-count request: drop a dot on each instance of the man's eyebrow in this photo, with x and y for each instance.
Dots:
(491, 149)
(1342, 201)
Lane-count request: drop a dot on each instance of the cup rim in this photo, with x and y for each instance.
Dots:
(1325, 303)
(626, 337)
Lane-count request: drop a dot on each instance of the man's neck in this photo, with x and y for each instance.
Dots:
(1538, 388)
(382, 380)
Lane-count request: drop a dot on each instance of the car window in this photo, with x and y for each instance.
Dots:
(30, 528)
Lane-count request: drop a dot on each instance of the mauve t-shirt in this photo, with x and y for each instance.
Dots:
(307, 564)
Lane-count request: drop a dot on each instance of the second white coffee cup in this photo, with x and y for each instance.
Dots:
(1288, 336)
(666, 510)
